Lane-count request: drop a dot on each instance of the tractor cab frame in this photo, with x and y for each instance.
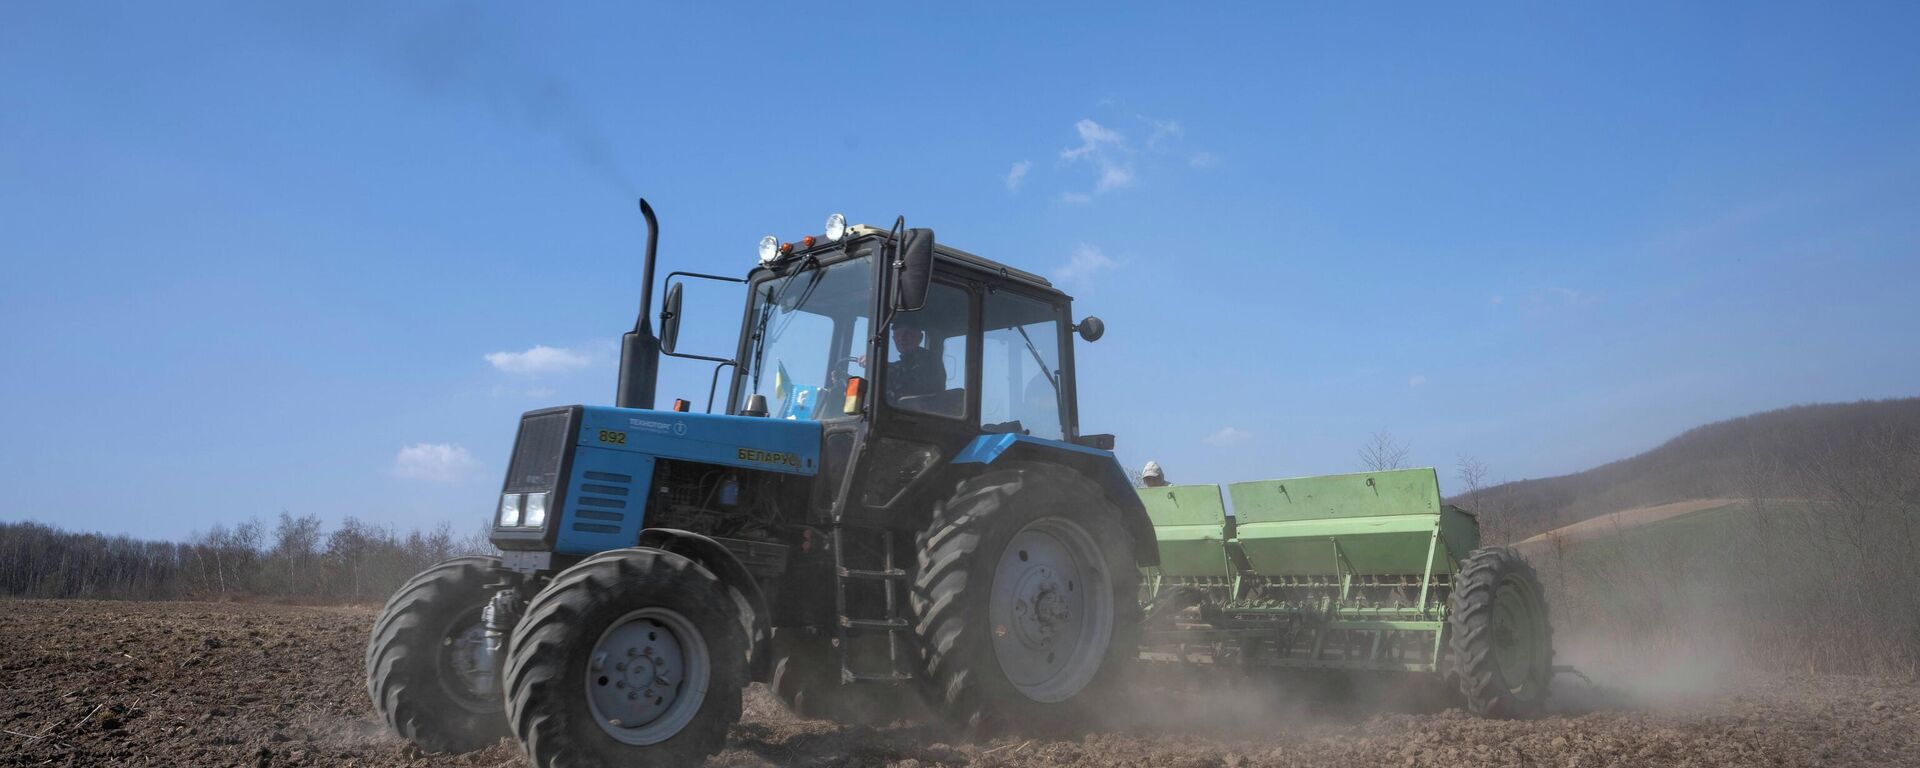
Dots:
(971, 349)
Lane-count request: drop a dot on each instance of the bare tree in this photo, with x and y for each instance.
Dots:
(1382, 452)
(1473, 475)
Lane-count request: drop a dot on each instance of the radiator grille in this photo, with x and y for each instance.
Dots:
(537, 452)
(601, 502)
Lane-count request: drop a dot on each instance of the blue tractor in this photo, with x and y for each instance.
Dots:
(895, 500)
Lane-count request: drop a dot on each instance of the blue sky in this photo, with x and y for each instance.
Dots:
(261, 258)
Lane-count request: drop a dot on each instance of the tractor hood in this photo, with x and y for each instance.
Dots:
(776, 445)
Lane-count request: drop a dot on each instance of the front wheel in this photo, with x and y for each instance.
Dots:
(1025, 602)
(632, 657)
(429, 668)
(1498, 631)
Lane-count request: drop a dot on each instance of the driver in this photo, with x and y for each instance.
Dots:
(919, 371)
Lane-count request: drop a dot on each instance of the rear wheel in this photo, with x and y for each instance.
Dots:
(1025, 602)
(428, 668)
(631, 657)
(1498, 631)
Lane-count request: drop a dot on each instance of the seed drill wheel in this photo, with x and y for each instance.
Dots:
(1025, 601)
(1502, 644)
(427, 667)
(632, 657)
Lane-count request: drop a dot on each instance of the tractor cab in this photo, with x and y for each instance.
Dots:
(905, 353)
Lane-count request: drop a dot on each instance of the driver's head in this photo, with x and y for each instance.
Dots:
(907, 334)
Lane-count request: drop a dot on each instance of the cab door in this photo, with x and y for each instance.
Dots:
(925, 403)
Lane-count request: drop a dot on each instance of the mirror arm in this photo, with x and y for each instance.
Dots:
(715, 386)
(708, 358)
(721, 278)
(668, 285)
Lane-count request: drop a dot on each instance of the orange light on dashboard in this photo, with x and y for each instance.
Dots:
(681, 406)
(807, 241)
(856, 395)
(786, 247)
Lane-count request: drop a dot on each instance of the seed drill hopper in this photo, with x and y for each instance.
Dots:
(1366, 572)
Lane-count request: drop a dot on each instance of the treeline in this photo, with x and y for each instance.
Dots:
(295, 558)
(1802, 452)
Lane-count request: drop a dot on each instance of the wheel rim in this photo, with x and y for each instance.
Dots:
(466, 669)
(1517, 634)
(647, 676)
(1051, 609)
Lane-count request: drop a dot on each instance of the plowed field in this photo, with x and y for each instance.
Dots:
(106, 683)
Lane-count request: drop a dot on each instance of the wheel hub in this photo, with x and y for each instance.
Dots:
(1051, 621)
(1041, 608)
(467, 656)
(637, 676)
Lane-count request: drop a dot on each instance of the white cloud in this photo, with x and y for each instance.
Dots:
(1203, 159)
(1417, 381)
(1086, 262)
(1106, 151)
(1018, 175)
(1227, 436)
(1094, 139)
(537, 393)
(433, 462)
(1162, 130)
(541, 359)
(1540, 301)
(1075, 198)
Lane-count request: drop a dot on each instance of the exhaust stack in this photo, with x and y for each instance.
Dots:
(639, 348)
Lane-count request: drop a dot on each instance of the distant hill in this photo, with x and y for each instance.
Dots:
(1795, 452)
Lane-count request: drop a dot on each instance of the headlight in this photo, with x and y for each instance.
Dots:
(769, 250)
(536, 509)
(510, 510)
(836, 227)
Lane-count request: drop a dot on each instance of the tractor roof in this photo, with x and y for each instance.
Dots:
(972, 260)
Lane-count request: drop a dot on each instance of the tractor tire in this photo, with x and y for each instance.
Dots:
(806, 679)
(631, 657)
(1025, 602)
(1498, 632)
(422, 667)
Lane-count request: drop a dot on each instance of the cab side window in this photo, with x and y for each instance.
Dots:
(1020, 366)
(927, 355)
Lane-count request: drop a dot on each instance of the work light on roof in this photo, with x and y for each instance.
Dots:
(769, 250)
(836, 227)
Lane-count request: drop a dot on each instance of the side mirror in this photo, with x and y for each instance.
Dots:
(1090, 328)
(670, 319)
(916, 271)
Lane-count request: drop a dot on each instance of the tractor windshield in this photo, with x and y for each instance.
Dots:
(808, 332)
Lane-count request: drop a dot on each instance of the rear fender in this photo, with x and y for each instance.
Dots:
(739, 581)
(1096, 465)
